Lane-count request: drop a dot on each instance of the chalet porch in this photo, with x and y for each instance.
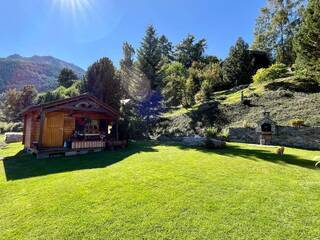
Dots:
(72, 126)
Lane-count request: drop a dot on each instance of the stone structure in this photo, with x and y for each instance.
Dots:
(266, 128)
(11, 137)
(302, 137)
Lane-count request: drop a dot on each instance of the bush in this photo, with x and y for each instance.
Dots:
(296, 122)
(246, 124)
(10, 127)
(199, 98)
(273, 72)
(296, 84)
(211, 132)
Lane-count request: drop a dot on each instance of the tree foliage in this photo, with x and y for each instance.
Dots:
(102, 82)
(149, 56)
(275, 71)
(67, 77)
(189, 50)
(128, 56)
(166, 49)
(174, 75)
(236, 67)
(13, 101)
(307, 41)
(275, 28)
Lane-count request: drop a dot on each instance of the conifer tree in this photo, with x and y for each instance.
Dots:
(149, 56)
(236, 67)
(307, 40)
(189, 51)
(166, 49)
(102, 82)
(275, 27)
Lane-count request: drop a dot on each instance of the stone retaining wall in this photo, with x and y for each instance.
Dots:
(303, 137)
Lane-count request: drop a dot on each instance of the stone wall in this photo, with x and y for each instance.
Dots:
(303, 137)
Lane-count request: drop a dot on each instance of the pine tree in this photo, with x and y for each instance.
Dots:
(166, 49)
(236, 68)
(66, 77)
(275, 28)
(149, 56)
(189, 51)
(102, 82)
(307, 40)
(128, 54)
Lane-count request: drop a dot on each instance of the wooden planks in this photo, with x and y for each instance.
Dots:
(53, 129)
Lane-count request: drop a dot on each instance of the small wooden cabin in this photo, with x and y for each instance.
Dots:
(71, 126)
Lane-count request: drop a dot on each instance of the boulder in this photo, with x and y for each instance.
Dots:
(194, 141)
(11, 137)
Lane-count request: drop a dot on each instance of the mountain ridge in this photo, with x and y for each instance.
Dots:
(40, 71)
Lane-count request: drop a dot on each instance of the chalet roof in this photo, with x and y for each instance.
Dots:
(57, 103)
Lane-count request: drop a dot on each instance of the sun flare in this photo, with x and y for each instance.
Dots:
(75, 6)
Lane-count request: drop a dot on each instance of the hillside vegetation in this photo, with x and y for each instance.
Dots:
(42, 72)
(286, 99)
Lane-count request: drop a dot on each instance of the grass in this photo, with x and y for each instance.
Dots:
(177, 111)
(157, 191)
(232, 97)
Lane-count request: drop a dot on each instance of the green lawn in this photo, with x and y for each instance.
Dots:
(157, 191)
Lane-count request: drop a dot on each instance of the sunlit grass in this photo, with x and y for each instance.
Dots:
(157, 191)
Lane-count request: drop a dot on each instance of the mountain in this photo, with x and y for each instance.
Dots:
(41, 71)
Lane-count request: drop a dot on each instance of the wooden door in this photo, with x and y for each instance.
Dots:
(53, 130)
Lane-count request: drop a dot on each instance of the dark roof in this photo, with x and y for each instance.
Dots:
(72, 99)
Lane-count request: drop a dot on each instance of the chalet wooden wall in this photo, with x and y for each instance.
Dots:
(27, 136)
(35, 128)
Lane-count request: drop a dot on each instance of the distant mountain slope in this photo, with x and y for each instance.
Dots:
(41, 71)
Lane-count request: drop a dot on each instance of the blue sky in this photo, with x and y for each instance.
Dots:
(82, 31)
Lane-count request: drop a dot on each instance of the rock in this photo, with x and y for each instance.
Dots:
(194, 141)
(11, 137)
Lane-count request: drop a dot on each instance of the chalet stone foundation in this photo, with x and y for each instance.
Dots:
(303, 137)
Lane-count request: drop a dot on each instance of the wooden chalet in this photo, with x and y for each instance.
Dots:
(71, 126)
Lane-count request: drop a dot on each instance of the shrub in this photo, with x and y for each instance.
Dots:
(273, 72)
(199, 98)
(246, 124)
(296, 122)
(10, 127)
(211, 132)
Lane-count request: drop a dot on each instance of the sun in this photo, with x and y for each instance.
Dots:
(77, 7)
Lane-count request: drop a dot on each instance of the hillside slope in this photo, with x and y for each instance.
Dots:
(41, 71)
(284, 99)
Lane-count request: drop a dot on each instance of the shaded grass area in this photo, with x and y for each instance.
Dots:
(161, 191)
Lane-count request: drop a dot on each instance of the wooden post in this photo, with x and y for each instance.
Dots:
(24, 128)
(42, 118)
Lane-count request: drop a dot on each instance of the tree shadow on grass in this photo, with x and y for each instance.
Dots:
(24, 165)
(265, 155)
